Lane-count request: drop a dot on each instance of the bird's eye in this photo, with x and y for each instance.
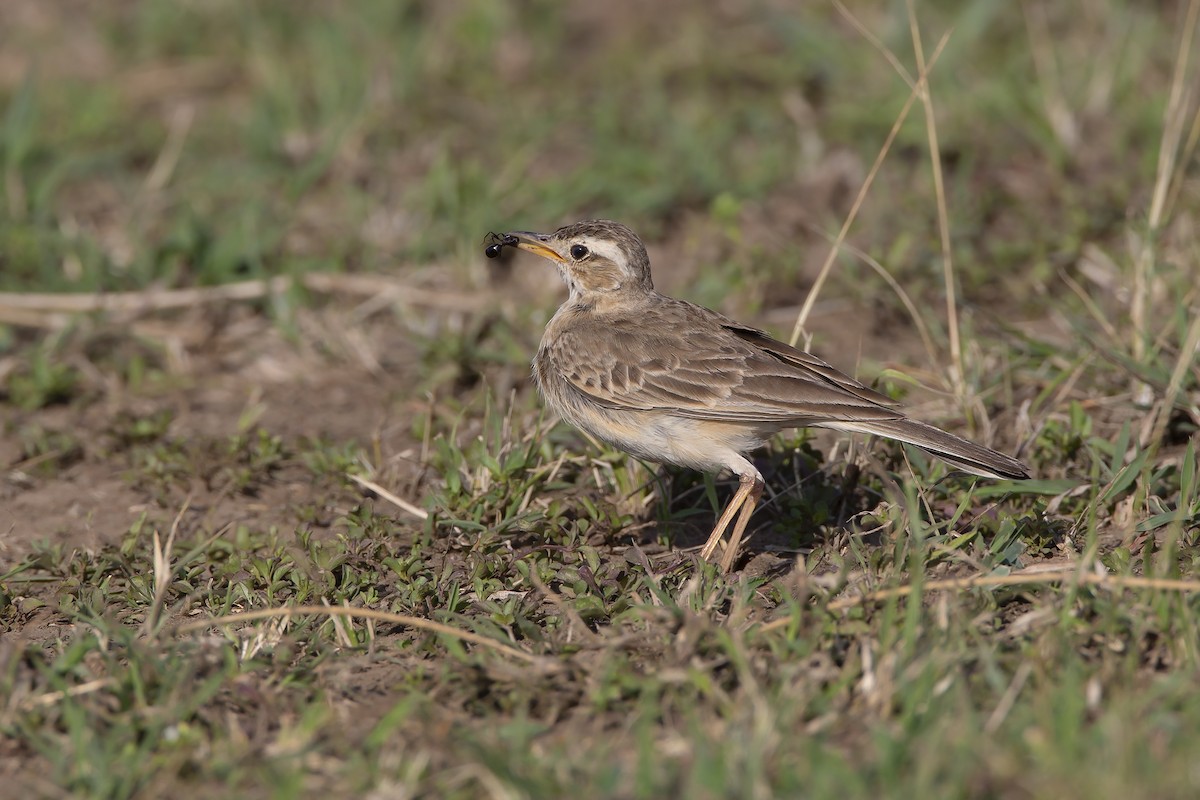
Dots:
(578, 251)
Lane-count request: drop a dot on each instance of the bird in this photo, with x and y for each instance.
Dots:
(673, 382)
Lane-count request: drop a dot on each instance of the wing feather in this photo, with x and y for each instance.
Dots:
(677, 357)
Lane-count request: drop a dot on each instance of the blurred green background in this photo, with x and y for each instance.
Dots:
(201, 142)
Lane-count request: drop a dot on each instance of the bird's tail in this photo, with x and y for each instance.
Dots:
(954, 450)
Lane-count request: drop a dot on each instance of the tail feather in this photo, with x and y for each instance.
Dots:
(954, 450)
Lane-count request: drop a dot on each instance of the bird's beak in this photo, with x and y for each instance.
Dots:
(537, 243)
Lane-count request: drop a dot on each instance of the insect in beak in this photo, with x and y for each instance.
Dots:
(497, 243)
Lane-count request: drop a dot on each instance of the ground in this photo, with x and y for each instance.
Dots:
(282, 515)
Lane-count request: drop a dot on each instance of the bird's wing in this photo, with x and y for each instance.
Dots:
(806, 361)
(695, 363)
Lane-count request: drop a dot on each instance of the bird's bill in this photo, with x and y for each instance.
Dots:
(536, 244)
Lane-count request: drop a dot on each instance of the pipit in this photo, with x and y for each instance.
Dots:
(670, 381)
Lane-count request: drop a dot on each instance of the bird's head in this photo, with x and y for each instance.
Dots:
(595, 257)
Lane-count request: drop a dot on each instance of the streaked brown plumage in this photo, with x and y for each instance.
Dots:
(671, 381)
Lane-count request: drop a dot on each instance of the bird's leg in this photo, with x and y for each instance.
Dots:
(735, 539)
(747, 481)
